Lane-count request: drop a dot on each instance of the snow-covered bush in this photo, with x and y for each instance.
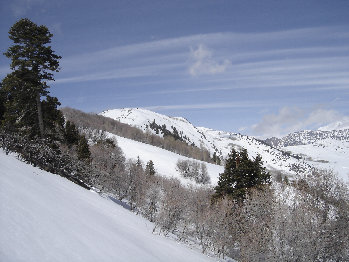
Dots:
(193, 170)
(47, 155)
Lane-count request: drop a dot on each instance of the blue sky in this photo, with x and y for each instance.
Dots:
(256, 67)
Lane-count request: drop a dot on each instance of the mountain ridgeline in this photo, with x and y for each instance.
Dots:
(217, 143)
(170, 141)
(306, 137)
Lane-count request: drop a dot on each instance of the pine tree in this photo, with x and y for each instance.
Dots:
(71, 134)
(214, 157)
(149, 168)
(53, 118)
(139, 163)
(33, 62)
(2, 105)
(83, 149)
(240, 175)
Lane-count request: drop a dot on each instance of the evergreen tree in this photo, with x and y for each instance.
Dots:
(53, 118)
(139, 163)
(33, 62)
(149, 168)
(214, 157)
(240, 175)
(83, 149)
(71, 134)
(2, 105)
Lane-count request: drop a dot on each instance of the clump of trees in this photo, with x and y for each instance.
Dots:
(193, 170)
(162, 129)
(149, 168)
(241, 174)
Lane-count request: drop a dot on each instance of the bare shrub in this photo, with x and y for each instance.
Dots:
(193, 170)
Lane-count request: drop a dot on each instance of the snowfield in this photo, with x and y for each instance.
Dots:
(164, 161)
(326, 154)
(44, 217)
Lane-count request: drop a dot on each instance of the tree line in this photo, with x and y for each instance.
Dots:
(168, 142)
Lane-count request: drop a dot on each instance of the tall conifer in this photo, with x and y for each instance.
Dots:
(33, 63)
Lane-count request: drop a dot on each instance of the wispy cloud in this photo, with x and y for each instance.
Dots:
(193, 90)
(239, 104)
(292, 119)
(182, 44)
(204, 64)
(128, 72)
(232, 61)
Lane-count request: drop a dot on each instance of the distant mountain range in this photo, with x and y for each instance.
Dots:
(307, 137)
(323, 148)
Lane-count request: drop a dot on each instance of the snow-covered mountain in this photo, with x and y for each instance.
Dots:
(323, 148)
(45, 217)
(215, 141)
(155, 123)
(307, 137)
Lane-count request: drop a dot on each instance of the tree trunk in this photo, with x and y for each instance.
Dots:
(40, 118)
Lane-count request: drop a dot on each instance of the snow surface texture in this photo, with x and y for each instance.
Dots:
(164, 161)
(213, 140)
(44, 217)
(326, 154)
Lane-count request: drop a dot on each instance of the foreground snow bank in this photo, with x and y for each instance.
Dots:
(44, 217)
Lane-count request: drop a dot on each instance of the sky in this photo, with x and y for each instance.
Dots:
(263, 68)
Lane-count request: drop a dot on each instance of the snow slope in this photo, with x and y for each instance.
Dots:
(164, 161)
(44, 217)
(142, 118)
(215, 141)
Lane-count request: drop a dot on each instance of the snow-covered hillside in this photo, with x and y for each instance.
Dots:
(142, 119)
(326, 154)
(164, 161)
(44, 217)
(215, 141)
